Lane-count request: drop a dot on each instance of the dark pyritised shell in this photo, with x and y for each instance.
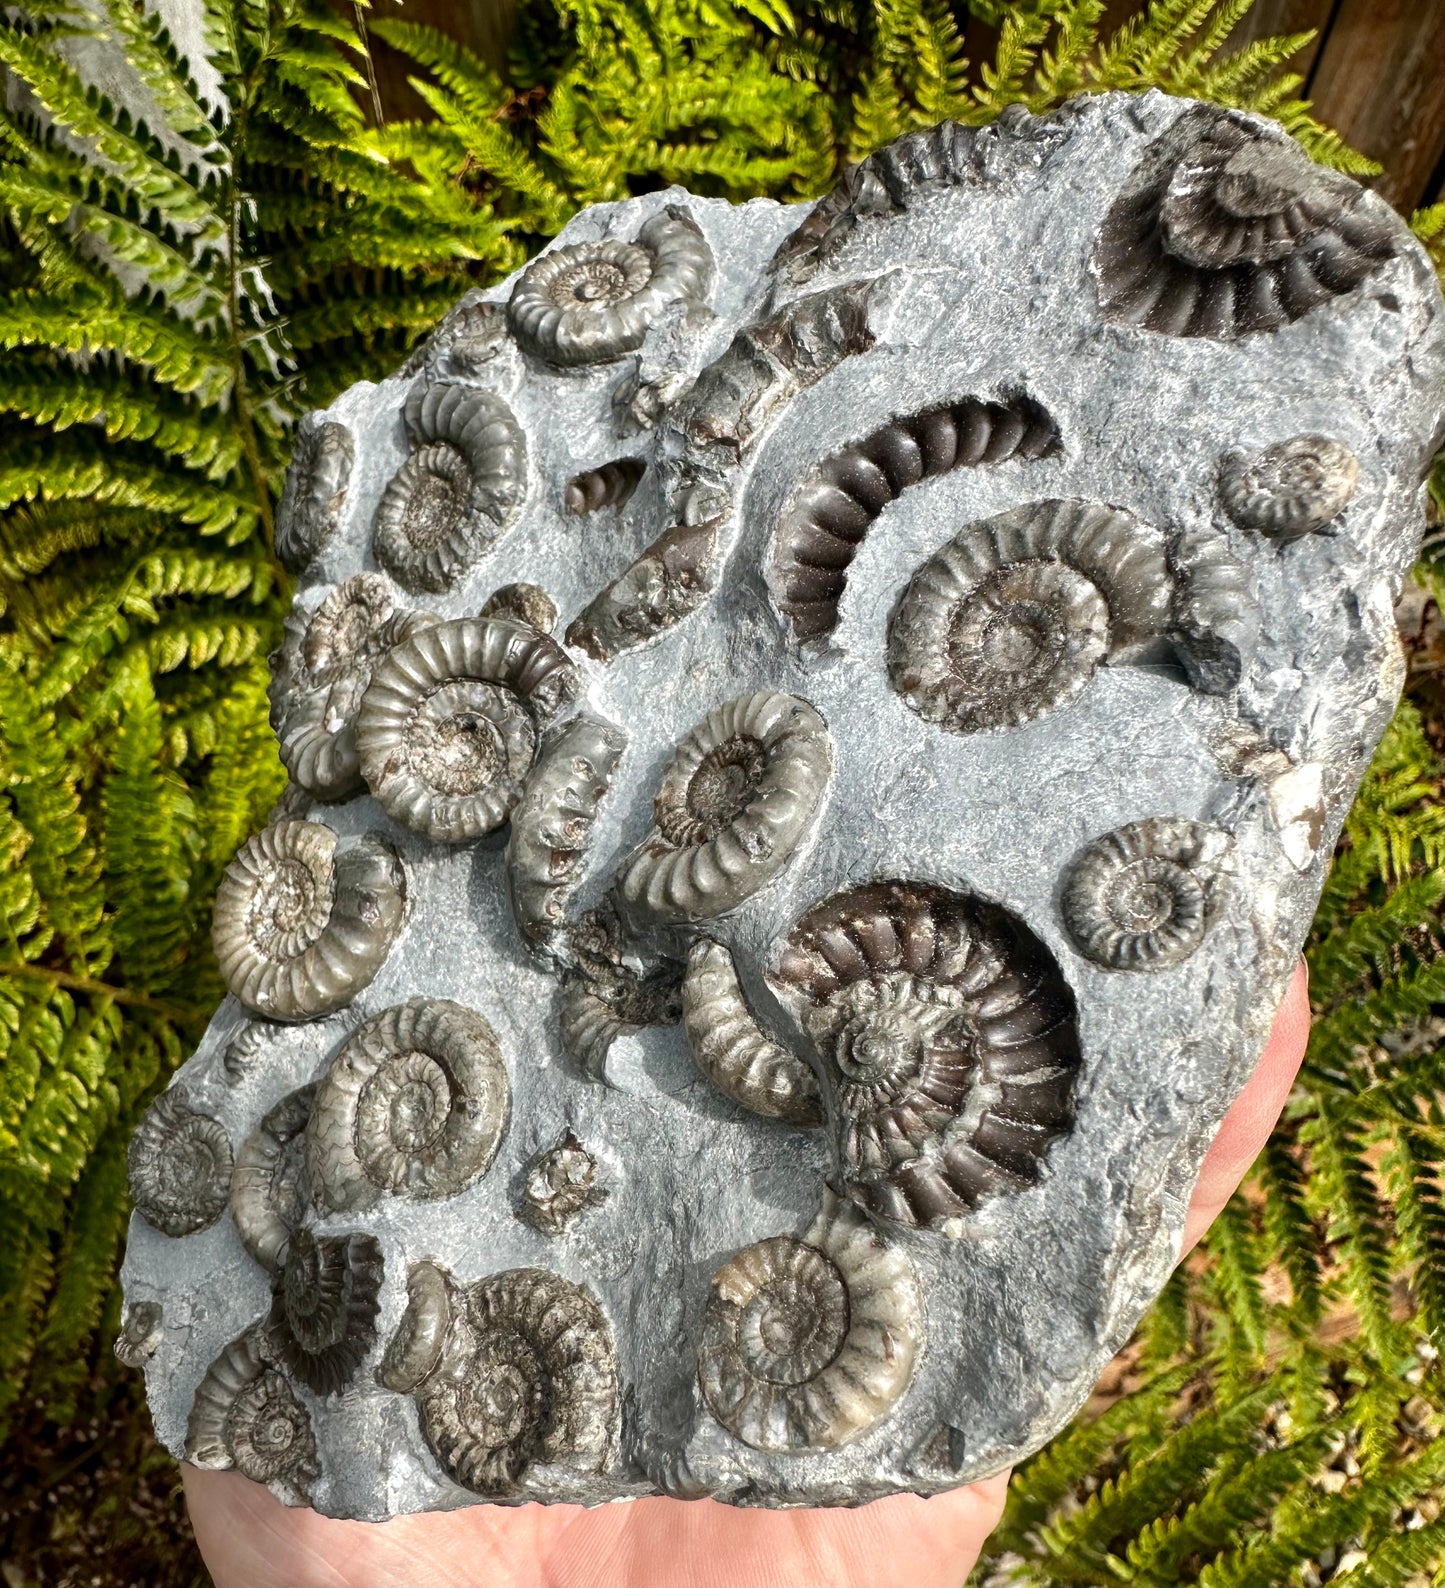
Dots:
(269, 1189)
(587, 303)
(611, 485)
(464, 474)
(141, 1332)
(529, 1377)
(1214, 618)
(808, 1344)
(323, 1307)
(448, 726)
(246, 1047)
(301, 926)
(820, 533)
(467, 339)
(1010, 619)
(415, 1103)
(179, 1165)
(662, 586)
(560, 1184)
(949, 1043)
(1143, 896)
(315, 489)
(740, 793)
(1229, 229)
(415, 1351)
(522, 603)
(1293, 488)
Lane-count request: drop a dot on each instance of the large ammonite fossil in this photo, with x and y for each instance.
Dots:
(590, 302)
(1230, 229)
(449, 724)
(528, 1377)
(323, 1309)
(246, 1415)
(179, 1165)
(1010, 619)
(1290, 489)
(949, 1045)
(269, 1191)
(741, 791)
(1143, 896)
(301, 926)
(807, 1344)
(415, 1103)
(320, 673)
(447, 503)
(311, 500)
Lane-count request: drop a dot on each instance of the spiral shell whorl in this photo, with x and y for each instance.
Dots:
(179, 1167)
(269, 1188)
(324, 1304)
(246, 1416)
(315, 489)
(415, 1350)
(1293, 488)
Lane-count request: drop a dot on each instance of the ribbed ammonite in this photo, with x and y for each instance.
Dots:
(949, 1045)
(247, 1416)
(179, 1166)
(414, 1352)
(302, 924)
(1289, 489)
(449, 724)
(586, 303)
(807, 1344)
(269, 1189)
(324, 1304)
(321, 460)
(741, 791)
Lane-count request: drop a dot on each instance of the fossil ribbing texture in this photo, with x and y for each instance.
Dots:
(816, 735)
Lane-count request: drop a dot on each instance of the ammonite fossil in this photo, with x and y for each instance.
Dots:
(820, 533)
(560, 1184)
(741, 791)
(269, 1188)
(415, 1351)
(468, 338)
(611, 485)
(669, 580)
(1291, 488)
(311, 500)
(246, 1047)
(322, 1322)
(807, 1344)
(1009, 620)
(1214, 617)
(529, 1379)
(415, 1103)
(179, 1165)
(949, 1044)
(587, 303)
(141, 1332)
(247, 1416)
(732, 1050)
(522, 603)
(1143, 896)
(302, 925)
(450, 499)
(448, 726)
(602, 1002)
(1229, 229)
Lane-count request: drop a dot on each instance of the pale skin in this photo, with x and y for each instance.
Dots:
(250, 1540)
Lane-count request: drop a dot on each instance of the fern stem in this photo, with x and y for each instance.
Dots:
(101, 989)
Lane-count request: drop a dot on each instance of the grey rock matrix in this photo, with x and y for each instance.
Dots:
(816, 734)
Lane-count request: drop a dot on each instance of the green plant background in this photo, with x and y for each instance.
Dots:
(176, 289)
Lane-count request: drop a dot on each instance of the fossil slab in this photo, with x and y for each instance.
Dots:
(816, 735)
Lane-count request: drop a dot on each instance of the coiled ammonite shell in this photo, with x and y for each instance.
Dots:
(522, 603)
(821, 532)
(1009, 620)
(247, 1416)
(311, 500)
(1143, 896)
(269, 1188)
(448, 727)
(141, 1332)
(611, 485)
(415, 1350)
(590, 302)
(808, 1344)
(560, 1183)
(467, 338)
(447, 503)
(949, 1043)
(1214, 618)
(323, 1309)
(300, 926)
(415, 1103)
(1229, 229)
(1289, 489)
(740, 794)
(179, 1165)
(529, 1378)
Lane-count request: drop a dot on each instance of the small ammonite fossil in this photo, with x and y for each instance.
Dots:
(807, 1344)
(315, 489)
(949, 1043)
(732, 1050)
(247, 1416)
(1229, 229)
(244, 1049)
(269, 1189)
(1290, 489)
(468, 338)
(324, 1303)
(141, 1332)
(1214, 617)
(179, 1165)
(611, 485)
(302, 924)
(586, 303)
(415, 1103)
(1009, 619)
(414, 1352)
(528, 1378)
(449, 501)
(522, 603)
(449, 724)
(737, 799)
(559, 1185)
(1143, 896)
